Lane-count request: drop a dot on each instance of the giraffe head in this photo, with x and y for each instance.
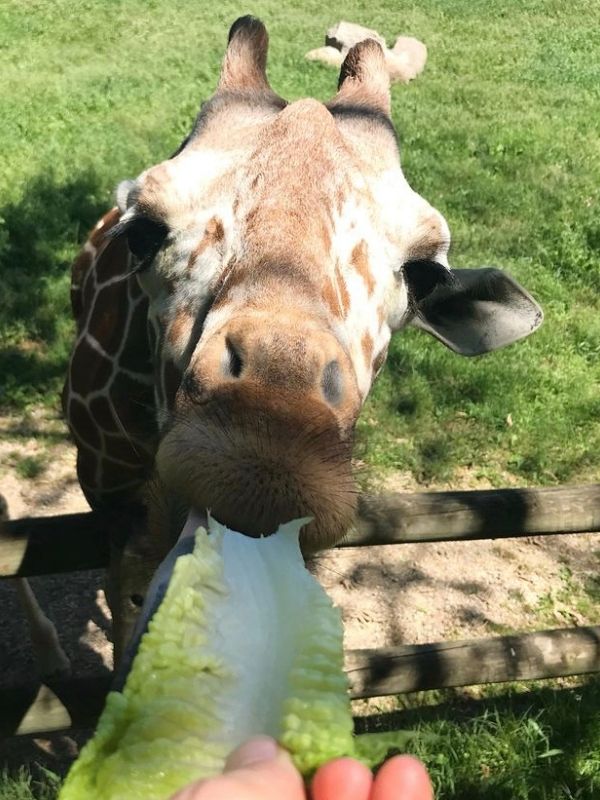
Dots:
(279, 248)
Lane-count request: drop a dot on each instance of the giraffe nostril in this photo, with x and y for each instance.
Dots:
(331, 383)
(233, 362)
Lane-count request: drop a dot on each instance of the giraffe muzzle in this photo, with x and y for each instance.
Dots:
(257, 462)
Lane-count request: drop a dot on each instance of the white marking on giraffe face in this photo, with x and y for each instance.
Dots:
(414, 229)
(366, 267)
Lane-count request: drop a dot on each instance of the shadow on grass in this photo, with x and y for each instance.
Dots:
(38, 240)
(24, 428)
(540, 744)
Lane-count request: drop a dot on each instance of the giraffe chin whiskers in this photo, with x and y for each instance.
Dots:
(258, 464)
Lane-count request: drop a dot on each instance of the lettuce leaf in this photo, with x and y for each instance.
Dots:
(244, 642)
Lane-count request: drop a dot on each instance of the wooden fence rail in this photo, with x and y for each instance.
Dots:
(39, 546)
(38, 708)
(29, 546)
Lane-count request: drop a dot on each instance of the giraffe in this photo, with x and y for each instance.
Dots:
(236, 306)
(50, 658)
(108, 396)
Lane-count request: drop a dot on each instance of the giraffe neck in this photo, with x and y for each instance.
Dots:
(108, 398)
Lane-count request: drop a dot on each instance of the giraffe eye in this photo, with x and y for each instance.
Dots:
(145, 237)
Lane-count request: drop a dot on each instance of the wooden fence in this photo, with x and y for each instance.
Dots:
(40, 546)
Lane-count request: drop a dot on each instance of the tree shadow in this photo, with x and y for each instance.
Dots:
(566, 718)
(39, 234)
(70, 601)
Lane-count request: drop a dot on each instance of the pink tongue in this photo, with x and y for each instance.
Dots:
(195, 519)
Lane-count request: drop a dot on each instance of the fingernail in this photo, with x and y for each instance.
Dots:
(256, 751)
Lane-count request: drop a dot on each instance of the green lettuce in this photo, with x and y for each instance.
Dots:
(244, 642)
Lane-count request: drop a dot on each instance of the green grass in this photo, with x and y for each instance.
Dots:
(29, 466)
(570, 594)
(21, 785)
(542, 745)
(500, 133)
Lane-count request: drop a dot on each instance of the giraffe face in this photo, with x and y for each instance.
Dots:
(256, 293)
(279, 248)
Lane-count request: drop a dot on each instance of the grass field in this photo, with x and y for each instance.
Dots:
(499, 133)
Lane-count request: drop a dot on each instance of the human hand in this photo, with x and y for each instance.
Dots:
(260, 770)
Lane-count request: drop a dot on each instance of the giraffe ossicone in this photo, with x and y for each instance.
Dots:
(234, 309)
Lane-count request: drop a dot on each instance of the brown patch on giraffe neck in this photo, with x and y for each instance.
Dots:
(108, 320)
(110, 406)
(366, 344)
(326, 235)
(380, 360)
(82, 266)
(116, 260)
(136, 355)
(82, 421)
(360, 261)
(108, 221)
(88, 367)
(117, 448)
(214, 233)
(343, 294)
(331, 298)
(78, 272)
(103, 415)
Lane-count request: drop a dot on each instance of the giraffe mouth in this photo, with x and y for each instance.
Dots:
(195, 519)
(258, 466)
(198, 518)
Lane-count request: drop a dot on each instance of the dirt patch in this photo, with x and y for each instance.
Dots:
(412, 594)
(37, 465)
(37, 445)
(388, 595)
(417, 593)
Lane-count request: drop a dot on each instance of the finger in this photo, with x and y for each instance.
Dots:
(258, 770)
(342, 779)
(260, 748)
(402, 778)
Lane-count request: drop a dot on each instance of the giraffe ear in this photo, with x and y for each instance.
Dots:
(364, 80)
(471, 311)
(244, 67)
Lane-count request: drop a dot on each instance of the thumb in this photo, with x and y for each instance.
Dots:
(259, 750)
(258, 770)
(265, 770)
